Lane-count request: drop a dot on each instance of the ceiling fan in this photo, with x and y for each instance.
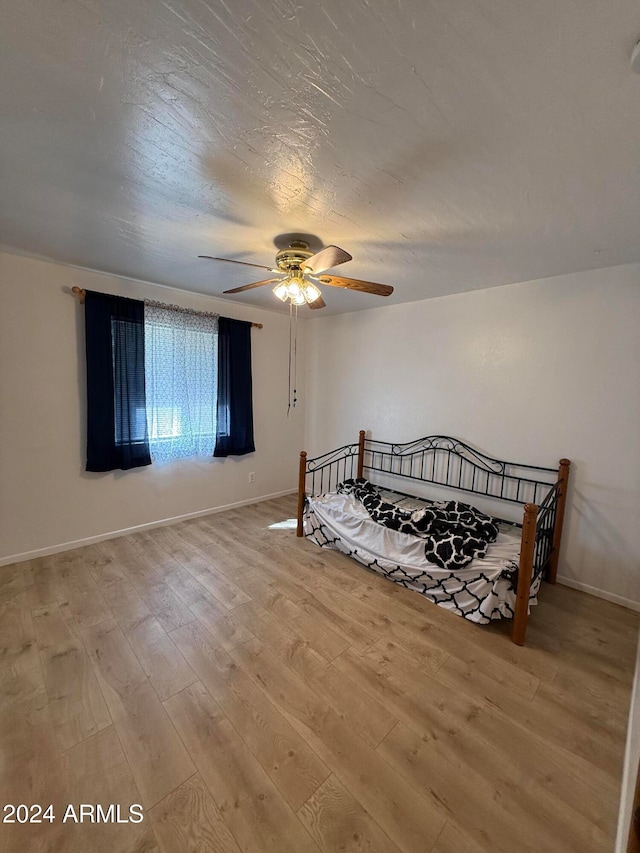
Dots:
(303, 271)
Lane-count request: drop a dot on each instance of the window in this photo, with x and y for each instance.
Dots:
(164, 382)
(181, 366)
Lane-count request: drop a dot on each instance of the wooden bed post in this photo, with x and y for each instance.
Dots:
(563, 480)
(302, 473)
(525, 571)
(361, 453)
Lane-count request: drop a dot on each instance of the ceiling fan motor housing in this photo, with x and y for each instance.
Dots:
(291, 259)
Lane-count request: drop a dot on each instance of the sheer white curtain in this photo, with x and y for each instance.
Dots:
(181, 366)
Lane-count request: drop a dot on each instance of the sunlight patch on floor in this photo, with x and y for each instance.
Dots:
(288, 524)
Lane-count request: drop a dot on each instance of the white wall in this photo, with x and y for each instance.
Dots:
(46, 498)
(529, 372)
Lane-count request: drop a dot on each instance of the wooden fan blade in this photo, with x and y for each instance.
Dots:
(326, 258)
(318, 303)
(251, 286)
(356, 284)
(229, 261)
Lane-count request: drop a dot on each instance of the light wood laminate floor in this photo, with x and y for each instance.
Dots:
(256, 693)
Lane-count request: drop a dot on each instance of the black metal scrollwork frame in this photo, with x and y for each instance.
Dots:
(449, 462)
(326, 471)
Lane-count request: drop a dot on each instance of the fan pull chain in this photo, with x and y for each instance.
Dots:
(290, 330)
(293, 359)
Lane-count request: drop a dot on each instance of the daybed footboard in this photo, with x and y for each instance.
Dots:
(448, 462)
(540, 547)
(324, 473)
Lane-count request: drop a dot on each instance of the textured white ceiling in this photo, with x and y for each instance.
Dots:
(448, 145)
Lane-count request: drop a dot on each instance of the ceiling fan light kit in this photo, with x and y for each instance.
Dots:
(297, 290)
(300, 267)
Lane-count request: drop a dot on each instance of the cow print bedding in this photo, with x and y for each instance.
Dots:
(454, 532)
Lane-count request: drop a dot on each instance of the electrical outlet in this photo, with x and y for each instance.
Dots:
(252, 477)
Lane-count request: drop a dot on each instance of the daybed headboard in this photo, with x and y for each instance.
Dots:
(450, 462)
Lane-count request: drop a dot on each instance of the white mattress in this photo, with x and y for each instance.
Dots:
(478, 592)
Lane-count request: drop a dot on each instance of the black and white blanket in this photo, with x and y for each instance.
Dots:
(455, 533)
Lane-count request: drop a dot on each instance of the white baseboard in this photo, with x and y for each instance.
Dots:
(90, 540)
(600, 593)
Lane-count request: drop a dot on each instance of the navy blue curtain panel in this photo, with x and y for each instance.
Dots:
(116, 405)
(235, 395)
